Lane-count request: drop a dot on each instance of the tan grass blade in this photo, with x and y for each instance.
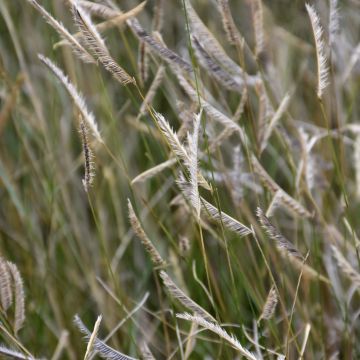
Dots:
(306, 337)
(121, 18)
(94, 334)
(152, 91)
(274, 120)
(150, 173)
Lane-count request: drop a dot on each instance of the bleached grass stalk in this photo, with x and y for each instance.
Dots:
(345, 267)
(152, 90)
(179, 295)
(150, 173)
(94, 334)
(96, 44)
(99, 346)
(229, 222)
(274, 120)
(306, 337)
(19, 295)
(193, 144)
(274, 204)
(75, 95)
(270, 305)
(215, 328)
(121, 18)
(61, 346)
(75, 45)
(322, 67)
(140, 233)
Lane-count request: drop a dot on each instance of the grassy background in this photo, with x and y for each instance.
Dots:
(76, 251)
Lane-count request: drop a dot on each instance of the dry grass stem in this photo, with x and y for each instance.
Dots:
(140, 233)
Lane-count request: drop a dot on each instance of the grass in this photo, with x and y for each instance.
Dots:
(181, 182)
